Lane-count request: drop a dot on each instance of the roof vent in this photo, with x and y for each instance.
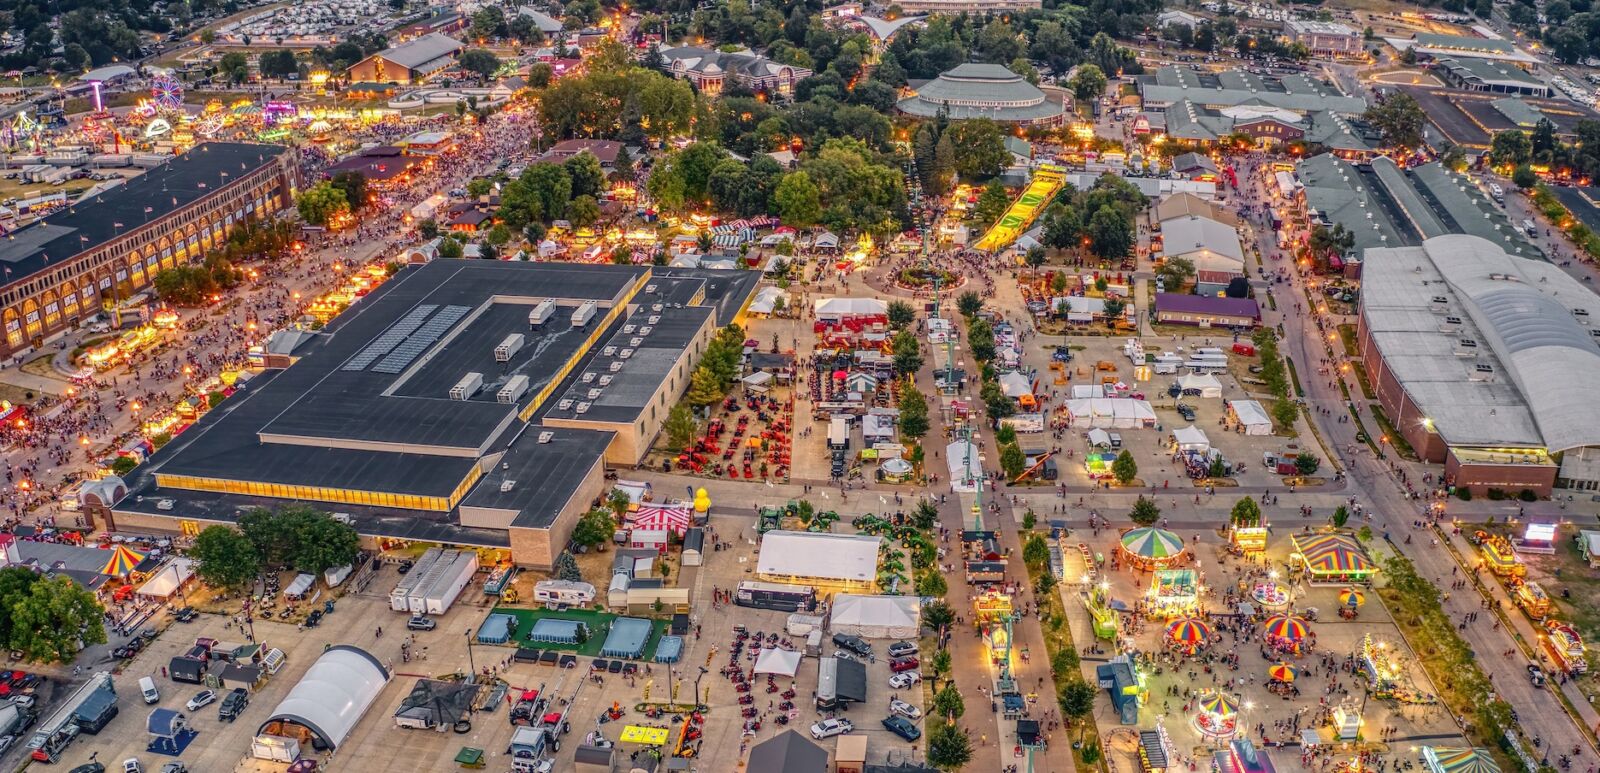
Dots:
(628, 329)
(594, 394)
(588, 378)
(655, 319)
(606, 380)
(546, 437)
(625, 353)
(644, 331)
(616, 366)
(609, 350)
(636, 342)
(564, 405)
(507, 485)
(582, 408)
(656, 307)
(650, 288)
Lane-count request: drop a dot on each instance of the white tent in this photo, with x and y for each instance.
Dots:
(549, 247)
(330, 698)
(1099, 438)
(757, 381)
(1208, 386)
(876, 617)
(896, 466)
(1191, 438)
(818, 556)
(1252, 416)
(877, 427)
(1015, 384)
(776, 661)
(1086, 391)
(839, 308)
(965, 468)
(167, 581)
(766, 301)
(1112, 412)
(685, 260)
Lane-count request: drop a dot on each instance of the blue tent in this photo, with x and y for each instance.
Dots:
(669, 650)
(496, 629)
(165, 723)
(627, 638)
(555, 631)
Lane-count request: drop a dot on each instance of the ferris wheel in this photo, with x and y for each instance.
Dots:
(167, 93)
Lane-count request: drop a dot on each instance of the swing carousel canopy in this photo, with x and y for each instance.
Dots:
(1152, 544)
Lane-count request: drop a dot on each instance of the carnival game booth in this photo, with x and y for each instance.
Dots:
(1498, 556)
(1446, 759)
(1150, 548)
(1249, 540)
(1333, 559)
(1173, 593)
(1564, 644)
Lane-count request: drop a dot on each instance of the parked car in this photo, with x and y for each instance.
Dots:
(855, 644)
(1536, 675)
(132, 765)
(829, 728)
(1186, 411)
(202, 699)
(420, 623)
(185, 614)
(903, 664)
(901, 649)
(405, 566)
(902, 727)
(905, 679)
(92, 767)
(174, 767)
(897, 706)
(233, 705)
(314, 619)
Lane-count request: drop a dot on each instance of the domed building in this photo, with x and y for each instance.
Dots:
(985, 91)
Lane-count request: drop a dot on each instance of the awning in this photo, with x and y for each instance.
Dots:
(673, 518)
(776, 661)
(167, 581)
(1099, 438)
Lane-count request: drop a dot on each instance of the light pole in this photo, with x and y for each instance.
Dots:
(703, 672)
(472, 669)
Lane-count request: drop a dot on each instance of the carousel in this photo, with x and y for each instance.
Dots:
(1286, 633)
(1189, 634)
(1173, 593)
(1150, 548)
(1216, 716)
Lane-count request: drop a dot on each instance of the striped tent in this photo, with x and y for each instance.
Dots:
(1189, 630)
(1333, 555)
(1352, 597)
(122, 561)
(1152, 544)
(1446, 759)
(673, 518)
(1286, 627)
(1219, 705)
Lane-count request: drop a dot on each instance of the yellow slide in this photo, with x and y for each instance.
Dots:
(1046, 181)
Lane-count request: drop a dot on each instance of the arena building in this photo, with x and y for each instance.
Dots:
(97, 253)
(464, 403)
(1482, 361)
(984, 91)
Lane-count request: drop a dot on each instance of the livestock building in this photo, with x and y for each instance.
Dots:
(410, 62)
(462, 403)
(1484, 362)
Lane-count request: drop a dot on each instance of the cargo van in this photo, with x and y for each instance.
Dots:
(147, 690)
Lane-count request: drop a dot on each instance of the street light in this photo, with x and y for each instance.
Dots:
(703, 672)
(472, 669)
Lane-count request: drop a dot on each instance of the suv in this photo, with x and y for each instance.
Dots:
(854, 644)
(233, 705)
(420, 623)
(185, 614)
(901, 649)
(1186, 411)
(903, 664)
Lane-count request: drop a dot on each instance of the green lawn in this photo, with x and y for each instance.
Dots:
(1347, 333)
(1361, 378)
(599, 624)
(1396, 440)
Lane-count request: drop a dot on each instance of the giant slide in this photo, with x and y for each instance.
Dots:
(1046, 181)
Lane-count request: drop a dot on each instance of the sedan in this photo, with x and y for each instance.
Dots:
(897, 706)
(905, 679)
(902, 727)
(903, 664)
(201, 699)
(829, 728)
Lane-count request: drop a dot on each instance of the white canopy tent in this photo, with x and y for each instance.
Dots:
(1099, 438)
(1087, 391)
(896, 466)
(776, 661)
(1015, 384)
(1112, 412)
(1191, 438)
(965, 469)
(1252, 416)
(1208, 386)
(839, 308)
(169, 579)
(766, 300)
(758, 381)
(330, 699)
(818, 556)
(876, 617)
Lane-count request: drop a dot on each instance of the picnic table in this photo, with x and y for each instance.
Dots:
(470, 758)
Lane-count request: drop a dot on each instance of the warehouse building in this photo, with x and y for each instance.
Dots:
(465, 403)
(1484, 362)
(99, 253)
(1491, 76)
(410, 62)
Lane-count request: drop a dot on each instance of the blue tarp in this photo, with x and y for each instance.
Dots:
(496, 629)
(669, 650)
(555, 631)
(627, 638)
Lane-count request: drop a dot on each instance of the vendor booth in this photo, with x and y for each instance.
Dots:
(1173, 593)
(1190, 438)
(1250, 415)
(1498, 555)
(1249, 539)
(1565, 646)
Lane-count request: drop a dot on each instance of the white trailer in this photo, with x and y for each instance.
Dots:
(450, 579)
(399, 598)
(553, 593)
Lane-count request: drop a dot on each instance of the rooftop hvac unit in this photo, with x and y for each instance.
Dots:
(564, 404)
(594, 394)
(636, 341)
(649, 288)
(628, 329)
(583, 314)
(625, 353)
(588, 378)
(609, 350)
(605, 381)
(656, 307)
(467, 386)
(541, 313)
(582, 408)
(655, 319)
(511, 345)
(644, 331)
(616, 366)
(546, 437)
(513, 389)
(507, 485)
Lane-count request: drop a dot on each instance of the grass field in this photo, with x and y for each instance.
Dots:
(599, 624)
(1396, 440)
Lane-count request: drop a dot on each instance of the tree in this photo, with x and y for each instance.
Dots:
(1114, 307)
(980, 148)
(588, 178)
(1036, 256)
(567, 568)
(321, 543)
(277, 64)
(1285, 412)
(1012, 460)
(234, 61)
(1124, 468)
(56, 619)
(947, 703)
(584, 211)
(1307, 464)
(225, 558)
(680, 426)
(1398, 119)
(450, 249)
(1524, 177)
(1036, 552)
(1088, 84)
(937, 615)
(123, 465)
(1511, 147)
(1341, 516)
(941, 663)
(948, 747)
(969, 303)
(797, 199)
(913, 411)
(901, 314)
(1246, 514)
(926, 515)
(992, 203)
(15, 583)
(931, 584)
(1111, 235)
(594, 529)
(704, 387)
(479, 62)
(322, 203)
(907, 353)
(354, 186)
(1076, 700)
(1144, 512)
(1175, 273)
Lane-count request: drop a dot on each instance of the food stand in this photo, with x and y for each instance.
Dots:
(1499, 557)
(1532, 598)
(1249, 540)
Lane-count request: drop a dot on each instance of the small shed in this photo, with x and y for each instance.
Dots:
(693, 544)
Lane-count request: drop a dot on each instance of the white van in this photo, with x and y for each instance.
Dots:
(147, 689)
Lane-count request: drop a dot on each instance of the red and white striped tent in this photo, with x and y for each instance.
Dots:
(673, 518)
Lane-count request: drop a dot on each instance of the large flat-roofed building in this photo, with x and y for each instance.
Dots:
(100, 251)
(984, 91)
(409, 62)
(1233, 88)
(1323, 37)
(1483, 361)
(1429, 45)
(444, 407)
(1494, 77)
(968, 6)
